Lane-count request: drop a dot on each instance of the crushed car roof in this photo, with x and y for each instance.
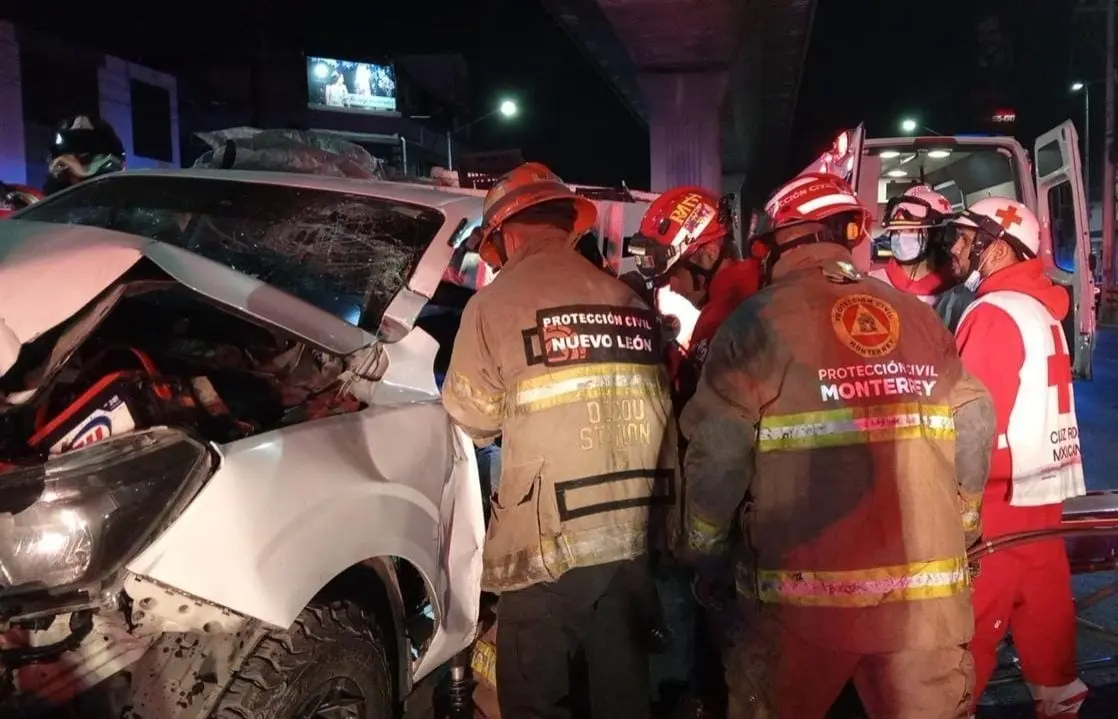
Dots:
(401, 192)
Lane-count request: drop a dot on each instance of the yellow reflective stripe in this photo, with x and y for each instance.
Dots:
(972, 513)
(587, 382)
(703, 536)
(489, 404)
(483, 662)
(855, 425)
(549, 557)
(862, 588)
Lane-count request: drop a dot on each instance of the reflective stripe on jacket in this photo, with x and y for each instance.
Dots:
(563, 361)
(842, 392)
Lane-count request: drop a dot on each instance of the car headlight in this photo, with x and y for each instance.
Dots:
(75, 519)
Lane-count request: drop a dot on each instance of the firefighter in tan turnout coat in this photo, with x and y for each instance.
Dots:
(835, 419)
(563, 362)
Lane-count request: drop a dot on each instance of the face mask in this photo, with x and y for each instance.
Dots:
(907, 246)
(974, 279)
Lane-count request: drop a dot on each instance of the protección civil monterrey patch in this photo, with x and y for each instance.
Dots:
(866, 324)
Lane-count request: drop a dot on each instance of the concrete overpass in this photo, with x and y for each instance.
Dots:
(715, 81)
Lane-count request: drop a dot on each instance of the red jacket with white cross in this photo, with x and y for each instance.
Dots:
(993, 349)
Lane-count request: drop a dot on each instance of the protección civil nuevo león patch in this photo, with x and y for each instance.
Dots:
(578, 334)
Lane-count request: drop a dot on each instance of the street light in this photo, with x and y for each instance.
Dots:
(910, 125)
(507, 109)
(1083, 87)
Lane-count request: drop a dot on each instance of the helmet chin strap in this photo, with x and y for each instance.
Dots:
(701, 276)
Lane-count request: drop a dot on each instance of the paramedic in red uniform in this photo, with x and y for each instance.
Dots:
(915, 224)
(685, 243)
(1011, 339)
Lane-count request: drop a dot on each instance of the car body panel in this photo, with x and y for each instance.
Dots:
(51, 271)
(84, 261)
(291, 509)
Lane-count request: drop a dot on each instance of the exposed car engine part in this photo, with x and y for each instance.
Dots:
(162, 355)
(80, 625)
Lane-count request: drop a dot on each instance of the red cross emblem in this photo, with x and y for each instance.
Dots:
(1008, 217)
(1059, 371)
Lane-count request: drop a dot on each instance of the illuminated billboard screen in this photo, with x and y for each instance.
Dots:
(350, 86)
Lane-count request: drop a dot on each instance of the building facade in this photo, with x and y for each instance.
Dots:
(44, 80)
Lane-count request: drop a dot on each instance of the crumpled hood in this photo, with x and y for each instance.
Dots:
(1028, 278)
(49, 272)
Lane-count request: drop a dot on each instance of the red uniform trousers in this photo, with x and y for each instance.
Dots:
(1027, 591)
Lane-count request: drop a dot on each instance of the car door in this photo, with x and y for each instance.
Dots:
(462, 216)
(1065, 240)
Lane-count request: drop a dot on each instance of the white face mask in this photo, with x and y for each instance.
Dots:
(974, 279)
(906, 245)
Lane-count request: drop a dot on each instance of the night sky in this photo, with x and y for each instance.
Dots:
(897, 59)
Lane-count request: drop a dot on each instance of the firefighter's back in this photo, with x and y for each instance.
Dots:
(855, 524)
(588, 435)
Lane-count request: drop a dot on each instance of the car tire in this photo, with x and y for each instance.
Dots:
(335, 643)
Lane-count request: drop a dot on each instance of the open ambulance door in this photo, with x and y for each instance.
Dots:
(845, 160)
(1065, 245)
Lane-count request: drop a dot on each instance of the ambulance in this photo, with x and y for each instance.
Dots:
(969, 168)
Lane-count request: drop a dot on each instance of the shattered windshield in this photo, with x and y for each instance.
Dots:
(345, 253)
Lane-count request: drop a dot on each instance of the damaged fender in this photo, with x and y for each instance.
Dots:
(274, 526)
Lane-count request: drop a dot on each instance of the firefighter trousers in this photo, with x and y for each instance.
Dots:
(593, 612)
(1027, 591)
(773, 673)
(707, 672)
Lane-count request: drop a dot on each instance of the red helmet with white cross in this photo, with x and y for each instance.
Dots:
(1004, 219)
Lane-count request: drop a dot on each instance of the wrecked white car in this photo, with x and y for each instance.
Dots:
(227, 486)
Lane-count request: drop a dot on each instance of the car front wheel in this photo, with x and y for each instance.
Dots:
(331, 664)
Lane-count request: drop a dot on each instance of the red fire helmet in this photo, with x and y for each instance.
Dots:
(676, 224)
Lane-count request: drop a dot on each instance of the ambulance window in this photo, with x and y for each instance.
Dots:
(1061, 207)
(964, 174)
